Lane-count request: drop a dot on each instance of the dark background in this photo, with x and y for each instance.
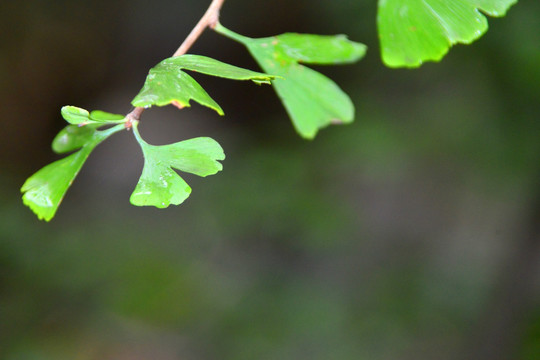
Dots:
(413, 233)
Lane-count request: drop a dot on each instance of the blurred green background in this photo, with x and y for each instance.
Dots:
(413, 233)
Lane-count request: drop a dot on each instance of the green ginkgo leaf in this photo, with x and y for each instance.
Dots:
(77, 116)
(414, 31)
(159, 185)
(43, 192)
(168, 83)
(312, 100)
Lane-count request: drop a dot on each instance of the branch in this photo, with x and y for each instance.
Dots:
(209, 19)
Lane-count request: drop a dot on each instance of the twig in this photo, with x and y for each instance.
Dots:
(209, 19)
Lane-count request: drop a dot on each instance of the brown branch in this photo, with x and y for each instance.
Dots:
(209, 19)
(134, 115)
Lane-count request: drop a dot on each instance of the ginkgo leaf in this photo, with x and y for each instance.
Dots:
(77, 116)
(43, 192)
(159, 185)
(312, 100)
(168, 83)
(414, 31)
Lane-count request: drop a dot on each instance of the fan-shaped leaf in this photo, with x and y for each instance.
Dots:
(168, 83)
(414, 31)
(312, 100)
(43, 192)
(159, 185)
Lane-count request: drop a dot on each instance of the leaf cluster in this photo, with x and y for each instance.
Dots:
(410, 31)
(159, 185)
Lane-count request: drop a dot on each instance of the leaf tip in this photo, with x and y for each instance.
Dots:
(178, 104)
(42, 211)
